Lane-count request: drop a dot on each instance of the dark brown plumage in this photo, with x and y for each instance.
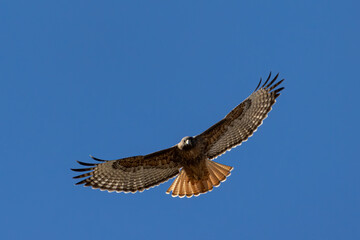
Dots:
(191, 159)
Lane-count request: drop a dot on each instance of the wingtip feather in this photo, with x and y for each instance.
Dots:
(266, 80)
(258, 85)
(87, 164)
(97, 159)
(272, 81)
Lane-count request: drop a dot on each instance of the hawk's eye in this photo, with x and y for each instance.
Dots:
(188, 141)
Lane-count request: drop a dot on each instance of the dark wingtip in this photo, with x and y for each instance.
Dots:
(275, 85)
(258, 85)
(279, 89)
(97, 159)
(272, 81)
(81, 182)
(84, 175)
(277, 92)
(82, 169)
(87, 164)
(266, 80)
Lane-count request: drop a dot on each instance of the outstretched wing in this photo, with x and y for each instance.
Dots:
(242, 121)
(131, 174)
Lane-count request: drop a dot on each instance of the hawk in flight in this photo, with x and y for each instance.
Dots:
(191, 160)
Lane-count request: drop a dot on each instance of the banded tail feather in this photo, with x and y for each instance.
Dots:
(184, 186)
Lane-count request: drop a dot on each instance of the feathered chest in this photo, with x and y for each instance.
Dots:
(193, 155)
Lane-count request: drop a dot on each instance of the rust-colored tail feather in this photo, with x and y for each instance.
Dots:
(182, 186)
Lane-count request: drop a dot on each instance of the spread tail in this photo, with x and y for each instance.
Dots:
(183, 186)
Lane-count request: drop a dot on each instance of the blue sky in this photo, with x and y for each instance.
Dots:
(122, 78)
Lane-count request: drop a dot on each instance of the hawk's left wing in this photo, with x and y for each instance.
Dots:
(242, 121)
(131, 174)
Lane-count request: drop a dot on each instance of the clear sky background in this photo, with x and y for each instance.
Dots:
(122, 78)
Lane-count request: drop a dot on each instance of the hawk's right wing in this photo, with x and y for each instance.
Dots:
(131, 174)
(242, 121)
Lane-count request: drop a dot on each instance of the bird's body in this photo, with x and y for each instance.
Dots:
(191, 159)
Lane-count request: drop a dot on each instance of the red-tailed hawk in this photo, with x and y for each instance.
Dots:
(191, 159)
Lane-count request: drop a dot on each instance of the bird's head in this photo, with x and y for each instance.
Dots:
(186, 143)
